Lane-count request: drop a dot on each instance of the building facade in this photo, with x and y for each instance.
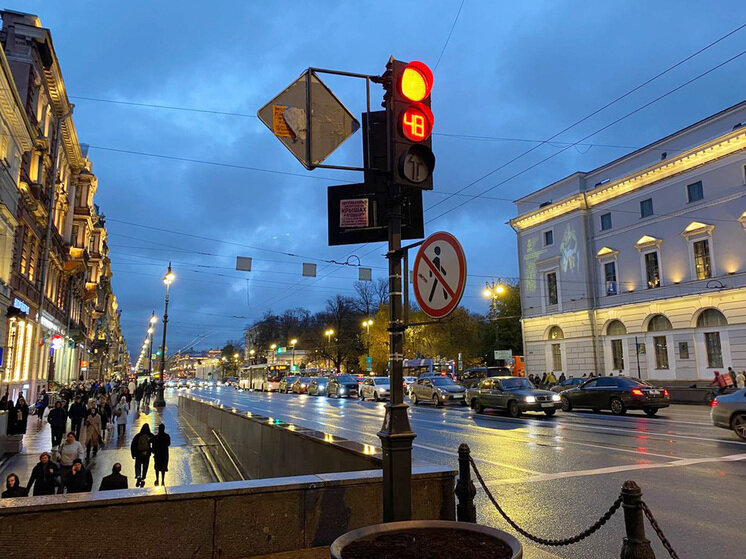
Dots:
(638, 267)
(60, 302)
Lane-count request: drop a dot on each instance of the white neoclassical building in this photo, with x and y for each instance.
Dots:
(639, 266)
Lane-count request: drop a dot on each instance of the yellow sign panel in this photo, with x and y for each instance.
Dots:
(279, 126)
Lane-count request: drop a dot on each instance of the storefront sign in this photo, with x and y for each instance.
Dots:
(17, 303)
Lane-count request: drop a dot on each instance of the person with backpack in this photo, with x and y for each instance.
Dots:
(45, 477)
(141, 449)
(161, 442)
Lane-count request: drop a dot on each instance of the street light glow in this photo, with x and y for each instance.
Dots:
(169, 278)
(153, 319)
(293, 342)
(252, 351)
(150, 330)
(273, 346)
(500, 289)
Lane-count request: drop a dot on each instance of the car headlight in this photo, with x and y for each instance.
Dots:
(302, 385)
(530, 399)
(342, 390)
(556, 398)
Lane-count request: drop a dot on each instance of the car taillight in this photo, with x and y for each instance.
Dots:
(714, 403)
(637, 392)
(666, 393)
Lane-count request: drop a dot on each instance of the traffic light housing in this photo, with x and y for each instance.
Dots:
(411, 125)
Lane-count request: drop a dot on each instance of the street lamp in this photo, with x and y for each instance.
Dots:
(493, 291)
(329, 333)
(292, 358)
(368, 361)
(168, 279)
(151, 329)
(252, 351)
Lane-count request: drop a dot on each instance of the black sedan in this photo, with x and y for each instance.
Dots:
(617, 394)
(318, 386)
(342, 386)
(513, 394)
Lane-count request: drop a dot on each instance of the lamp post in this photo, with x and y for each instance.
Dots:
(151, 329)
(252, 352)
(368, 361)
(168, 279)
(329, 333)
(493, 291)
(272, 348)
(292, 358)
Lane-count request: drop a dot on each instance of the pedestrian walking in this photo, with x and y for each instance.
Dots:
(139, 393)
(19, 416)
(115, 480)
(13, 488)
(120, 414)
(161, 442)
(45, 477)
(741, 379)
(57, 419)
(70, 451)
(141, 449)
(77, 414)
(148, 393)
(562, 377)
(42, 402)
(78, 479)
(131, 386)
(92, 433)
(104, 409)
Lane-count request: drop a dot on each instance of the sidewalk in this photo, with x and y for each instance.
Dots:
(187, 464)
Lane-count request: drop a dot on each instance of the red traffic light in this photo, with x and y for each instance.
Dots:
(416, 81)
(417, 122)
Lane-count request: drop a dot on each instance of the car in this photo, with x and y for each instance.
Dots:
(318, 386)
(408, 382)
(512, 394)
(568, 383)
(471, 377)
(375, 387)
(286, 384)
(729, 412)
(301, 384)
(438, 390)
(343, 386)
(617, 394)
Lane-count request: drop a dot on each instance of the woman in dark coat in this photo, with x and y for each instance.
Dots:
(44, 477)
(14, 488)
(161, 442)
(19, 415)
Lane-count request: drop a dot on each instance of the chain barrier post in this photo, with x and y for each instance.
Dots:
(465, 490)
(636, 545)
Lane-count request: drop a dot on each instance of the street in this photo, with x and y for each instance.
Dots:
(556, 476)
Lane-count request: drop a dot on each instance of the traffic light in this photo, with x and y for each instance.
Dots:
(412, 123)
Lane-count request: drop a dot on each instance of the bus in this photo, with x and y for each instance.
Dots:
(263, 377)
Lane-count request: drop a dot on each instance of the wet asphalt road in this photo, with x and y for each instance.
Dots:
(556, 476)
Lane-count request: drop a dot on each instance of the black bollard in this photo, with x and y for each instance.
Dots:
(465, 490)
(636, 545)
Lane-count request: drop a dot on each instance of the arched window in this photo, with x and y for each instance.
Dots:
(711, 318)
(659, 323)
(616, 328)
(556, 333)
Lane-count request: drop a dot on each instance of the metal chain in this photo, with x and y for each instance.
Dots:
(543, 541)
(658, 530)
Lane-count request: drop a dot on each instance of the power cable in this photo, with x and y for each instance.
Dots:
(453, 26)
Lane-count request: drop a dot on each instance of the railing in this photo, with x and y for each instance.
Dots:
(634, 546)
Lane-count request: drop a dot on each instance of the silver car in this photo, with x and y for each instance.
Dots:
(729, 412)
(438, 390)
(376, 388)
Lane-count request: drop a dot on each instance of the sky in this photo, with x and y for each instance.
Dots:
(201, 188)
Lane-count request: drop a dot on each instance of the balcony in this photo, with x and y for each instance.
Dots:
(78, 260)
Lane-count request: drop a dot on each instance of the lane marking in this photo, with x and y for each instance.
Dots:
(617, 469)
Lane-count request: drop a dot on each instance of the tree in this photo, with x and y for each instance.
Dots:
(231, 358)
(367, 300)
(501, 329)
(345, 345)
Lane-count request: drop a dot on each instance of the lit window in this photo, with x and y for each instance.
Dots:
(606, 222)
(694, 192)
(646, 207)
(652, 270)
(702, 259)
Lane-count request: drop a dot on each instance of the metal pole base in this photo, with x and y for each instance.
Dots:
(160, 401)
(396, 443)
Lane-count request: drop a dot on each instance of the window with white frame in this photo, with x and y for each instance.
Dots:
(652, 269)
(699, 237)
(608, 260)
(552, 295)
(702, 268)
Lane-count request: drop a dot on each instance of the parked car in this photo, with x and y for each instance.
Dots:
(286, 384)
(568, 383)
(376, 388)
(343, 386)
(729, 412)
(617, 394)
(318, 386)
(512, 394)
(301, 384)
(471, 377)
(438, 390)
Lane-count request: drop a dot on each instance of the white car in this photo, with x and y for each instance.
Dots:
(377, 388)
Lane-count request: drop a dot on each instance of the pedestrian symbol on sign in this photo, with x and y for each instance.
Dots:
(439, 275)
(436, 267)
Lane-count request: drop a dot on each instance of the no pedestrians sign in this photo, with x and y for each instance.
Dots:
(439, 274)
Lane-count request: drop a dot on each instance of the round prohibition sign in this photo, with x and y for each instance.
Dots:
(439, 274)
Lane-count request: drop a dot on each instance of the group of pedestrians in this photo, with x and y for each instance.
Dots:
(92, 410)
(547, 380)
(18, 413)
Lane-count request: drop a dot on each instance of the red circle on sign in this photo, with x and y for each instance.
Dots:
(456, 293)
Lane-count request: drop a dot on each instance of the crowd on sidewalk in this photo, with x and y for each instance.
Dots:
(91, 409)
